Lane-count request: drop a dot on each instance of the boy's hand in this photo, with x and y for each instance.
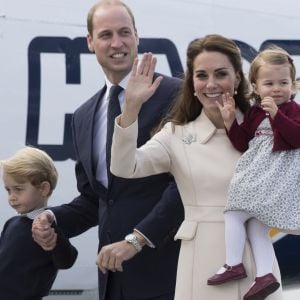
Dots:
(42, 232)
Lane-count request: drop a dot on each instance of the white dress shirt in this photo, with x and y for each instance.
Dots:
(100, 131)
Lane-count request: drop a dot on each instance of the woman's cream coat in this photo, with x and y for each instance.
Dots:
(202, 160)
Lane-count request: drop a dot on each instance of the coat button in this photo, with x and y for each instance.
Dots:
(111, 202)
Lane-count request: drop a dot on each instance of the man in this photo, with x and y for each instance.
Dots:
(146, 211)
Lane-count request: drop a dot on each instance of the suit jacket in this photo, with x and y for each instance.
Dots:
(285, 126)
(152, 205)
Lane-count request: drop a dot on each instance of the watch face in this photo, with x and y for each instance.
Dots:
(132, 239)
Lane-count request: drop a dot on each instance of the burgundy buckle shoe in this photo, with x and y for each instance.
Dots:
(262, 288)
(231, 273)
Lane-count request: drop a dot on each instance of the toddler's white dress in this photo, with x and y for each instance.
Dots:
(266, 184)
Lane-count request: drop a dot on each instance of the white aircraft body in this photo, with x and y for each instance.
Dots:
(46, 72)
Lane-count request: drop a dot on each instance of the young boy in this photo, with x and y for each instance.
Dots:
(27, 272)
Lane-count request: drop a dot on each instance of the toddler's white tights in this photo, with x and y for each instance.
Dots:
(235, 237)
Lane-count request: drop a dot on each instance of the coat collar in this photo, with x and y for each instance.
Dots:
(202, 128)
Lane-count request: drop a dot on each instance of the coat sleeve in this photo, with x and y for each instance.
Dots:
(238, 137)
(64, 254)
(128, 161)
(287, 125)
(80, 214)
(241, 134)
(162, 223)
(154, 157)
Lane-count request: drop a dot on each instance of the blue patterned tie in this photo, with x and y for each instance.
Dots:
(113, 111)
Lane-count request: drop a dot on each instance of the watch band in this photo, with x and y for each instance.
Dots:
(132, 239)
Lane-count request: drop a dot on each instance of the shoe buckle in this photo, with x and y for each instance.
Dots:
(228, 268)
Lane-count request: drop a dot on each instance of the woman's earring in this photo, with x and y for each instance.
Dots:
(235, 92)
(195, 94)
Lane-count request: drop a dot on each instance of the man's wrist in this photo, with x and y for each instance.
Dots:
(143, 238)
(140, 238)
(135, 241)
(51, 215)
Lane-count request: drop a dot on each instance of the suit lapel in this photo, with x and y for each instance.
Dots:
(87, 133)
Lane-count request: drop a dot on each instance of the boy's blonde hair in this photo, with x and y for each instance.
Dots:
(272, 55)
(33, 165)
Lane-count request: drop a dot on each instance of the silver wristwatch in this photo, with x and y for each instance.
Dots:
(132, 239)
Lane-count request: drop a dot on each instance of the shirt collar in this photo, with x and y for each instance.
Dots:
(32, 214)
(123, 84)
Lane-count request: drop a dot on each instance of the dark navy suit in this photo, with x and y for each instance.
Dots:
(152, 205)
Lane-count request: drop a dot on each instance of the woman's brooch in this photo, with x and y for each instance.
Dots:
(188, 139)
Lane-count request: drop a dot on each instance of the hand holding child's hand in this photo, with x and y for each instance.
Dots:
(42, 232)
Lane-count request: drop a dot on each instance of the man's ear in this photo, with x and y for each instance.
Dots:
(89, 41)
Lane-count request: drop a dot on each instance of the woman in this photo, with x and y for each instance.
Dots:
(193, 146)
